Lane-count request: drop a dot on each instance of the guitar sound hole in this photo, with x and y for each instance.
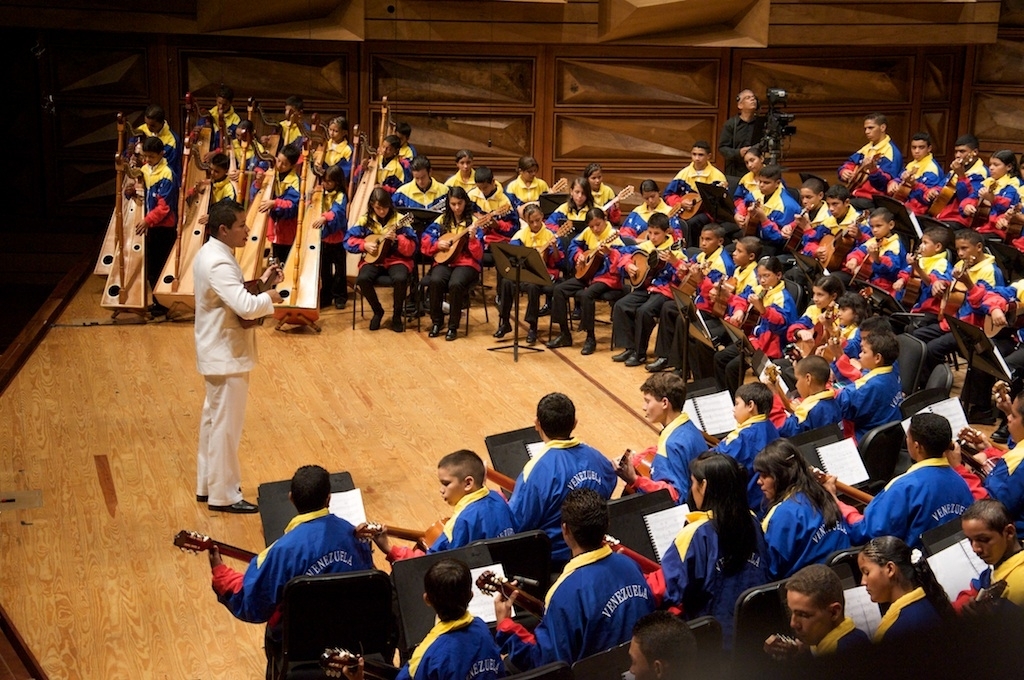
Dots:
(113, 291)
(169, 278)
(108, 259)
(285, 293)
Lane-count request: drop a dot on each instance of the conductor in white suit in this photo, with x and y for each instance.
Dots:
(225, 353)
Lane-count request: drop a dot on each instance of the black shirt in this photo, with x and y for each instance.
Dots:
(736, 134)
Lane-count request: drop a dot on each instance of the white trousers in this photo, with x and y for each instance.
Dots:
(219, 474)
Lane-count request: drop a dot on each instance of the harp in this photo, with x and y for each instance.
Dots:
(301, 285)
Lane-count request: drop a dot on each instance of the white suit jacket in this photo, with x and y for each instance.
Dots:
(223, 347)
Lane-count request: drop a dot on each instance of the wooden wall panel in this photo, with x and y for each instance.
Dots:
(439, 135)
(636, 82)
(833, 81)
(269, 77)
(995, 115)
(626, 137)
(453, 80)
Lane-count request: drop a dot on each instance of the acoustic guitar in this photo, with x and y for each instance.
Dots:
(906, 185)
(423, 539)
(867, 165)
(984, 207)
(956, 291)
(837, 247)
(592, 260)
(490, 583)
(648, 265)
(625, 193)
(957, 169)
(195, 542)
(335, 661)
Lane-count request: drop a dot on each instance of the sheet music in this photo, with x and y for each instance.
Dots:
(664, 525)
(917, 225)
(951, 409)
(955, 567)
(712, 413)
(533, 448)
(859, 607)
(843, 460)
(1002, 362)
(348, 505)
(482, 604)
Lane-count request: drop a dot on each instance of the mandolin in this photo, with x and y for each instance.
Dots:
(751, 317)
(752, 226)
(992, 593)
(592, 260)
(490, 583)
(195, 542)
(642, 462)
(625, 193)
(1014, 320)
(1013, 226)
(385, 240)
(565, 230)
(423, 539)
(648, 265)
(335, 661)
(458, 241)
(957, 169)
(781, 647)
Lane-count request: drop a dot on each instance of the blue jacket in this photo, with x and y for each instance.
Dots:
(908, 616)
(812, 413)
(796, 535)
(874, 399)
(694, 578)
(486, 516)
(466, 652)
(548, 478)
(590, 608)
(1005, 483)
(678, 445)
(314, 543)
(743, 444)
(927, 495)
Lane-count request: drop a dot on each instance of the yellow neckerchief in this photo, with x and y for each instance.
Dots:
(927, 462)
(717, 263)
(456, 181)
(775, 297)
(230, 117)
(553, 444)
(774, 202)
(373, 224)
(996, 186)
(223, 188)
(296, 521)
(694, 521)
(975, 170)
(813, 312)
(749, 182)
(984, 270)
(802, 409)
(894, 612)
(677, 422)
(327, 200)
(1013, 457)
(165, 134)
(847, 332)
(281, 184)
(731, 437)
(439, 629)
(746, 275)
(709, 175)
(934, 264)
(593, 240)
(836, 226)
(883, 147)
(771, 511)
(820, 215)
(473, 497)
(648, 245)
(575, 563)
(918, 168)
(289, 132)
(881, 370)
(603, 195)
(1001, 572)
(890, 244)
(645, 213)
(337, 152)
(494, 201)
(524, 193)
(830, 642)
(528, 238)
(151, 174)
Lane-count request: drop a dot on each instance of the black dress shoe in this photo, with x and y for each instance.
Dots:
(623, 355)
(375, 321)
(435, 331)
(589, 346)
(452, 334)
(577, 314)
(1001, 435)
(560, 340)
(397, 325)
(636, 360)
(660, 364)
(340, 304)
(201, 499)
(545, 310)
(504, 328)
(531, 337)
(156, 310)
(242, 507)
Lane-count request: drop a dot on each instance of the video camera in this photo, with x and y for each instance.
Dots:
(776, 125)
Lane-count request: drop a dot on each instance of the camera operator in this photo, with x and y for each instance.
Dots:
(740, 133)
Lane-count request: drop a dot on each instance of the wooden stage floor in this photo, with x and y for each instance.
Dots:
(104, 421)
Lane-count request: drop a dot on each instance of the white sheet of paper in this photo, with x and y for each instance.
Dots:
(712, 413)
(843, 460)
(348, 505)
(955, 567)
(951, 409)
(664, 525)
(533, 448)
(862, 610)
(482, 604)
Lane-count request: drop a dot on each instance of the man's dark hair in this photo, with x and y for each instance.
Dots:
(449, 587)
(990, 512)
(663, 637)
(701, 144)
(311, 489)
(816, 366)
(222, 213)
(466, 464)
(585, 515)
(922, 137)
(932, 432)
(818, 582)
(666, 386)
(292, 153)
(879, 118)
(885, 344)
(403, 129)
(838, 191)
(483, 174)
(153, 145)
(969, 235)
(420, 163)
(557, 415)
(759, 393)
(155, 112)
(771, 172)
(659, 221)
(970, 141)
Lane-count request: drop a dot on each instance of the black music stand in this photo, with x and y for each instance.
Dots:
(424, 215)
(979, 351)
(883, 300)
(508, 451)
(529, 267)
(686, 307)
(747, 350)
(715, 202)
(549, 203)
(276, 510)
(907, 225)
(626, 519)
(1009, 259)
(810, 267)
(927, 221)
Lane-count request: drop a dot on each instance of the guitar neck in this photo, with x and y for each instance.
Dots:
(233, 552)
(503, 481)
(523, 599)
(405, 534)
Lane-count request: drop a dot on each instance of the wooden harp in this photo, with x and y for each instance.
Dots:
(126, 280)
(301, 285)
(368, 180)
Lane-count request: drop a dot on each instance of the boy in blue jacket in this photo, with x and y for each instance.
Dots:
(753, 402)
(817, 406)
(874, 399)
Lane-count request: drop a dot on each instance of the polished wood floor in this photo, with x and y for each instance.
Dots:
(104, 421)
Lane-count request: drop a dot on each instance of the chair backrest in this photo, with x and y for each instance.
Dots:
(846, 559)
(912, 355)
(926, 397)
(880, 450)
(760, 612)
(351, 610)
(558, 670)
(799, 295)
(607, 665)
(941, 378)
(708, 632)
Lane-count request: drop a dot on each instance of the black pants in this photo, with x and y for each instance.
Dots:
(978, 390)
(399, 276)
(633, 319)
(586, 298)
(281, 251)
(333, 259)
(533, 293)
(692, 228)
(670, 325)
(159, 244)
(730, 368)
(456, 281)
(701, 358)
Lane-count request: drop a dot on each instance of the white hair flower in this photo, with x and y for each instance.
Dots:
(916, 556)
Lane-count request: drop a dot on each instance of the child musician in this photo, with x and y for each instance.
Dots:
(464, 176)
(929, 265)
(1001, 191)
(284, 207)
(488, 197)
(685, 183)
(753, 432)
(602, 193)
(922, 174)
(456, 276)
(881, 258)
(874, 399)
(423, 191)
(534, 235)
(576, 207)
(824, 294)
(333, 226)
(775, 212)
(815, 211)
(989, 527)
(337, 149)
(967, 172)
(879, 158)
(527, 187)
(636, 222)
(714, 261)
(393, 170)
(817, 405)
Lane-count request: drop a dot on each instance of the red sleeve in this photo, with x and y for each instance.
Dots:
(517, 629)
(615, 259)
(357, 242)
(656, 582)
(854, 259)
(778, 414)
(648, 485)
(476, 248)
(226, 581)
(428, 246)
(283, 204)
(157, 214)
(973, 482)
(327, 216)
(401, 552)
(792, 331)
(964, 598)
(979, 298)
(846, 369)
(773, 315)
(850, 513)
(992, 453)
(406, 245)
(614, 214)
